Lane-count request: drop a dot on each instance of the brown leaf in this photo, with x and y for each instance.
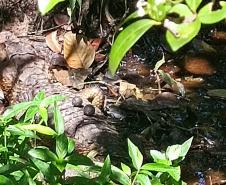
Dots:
(62, 76)
(52, 42)
(78, 76)
(77, 52)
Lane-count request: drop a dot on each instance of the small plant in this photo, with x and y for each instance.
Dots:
(181, 19)
(23, 161)
(164, 169)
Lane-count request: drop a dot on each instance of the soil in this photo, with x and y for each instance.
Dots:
(198, 114)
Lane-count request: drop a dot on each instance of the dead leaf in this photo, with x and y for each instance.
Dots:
(127, 90)
(77, 52)
(52, 42)
(62, 76)
(78, 76)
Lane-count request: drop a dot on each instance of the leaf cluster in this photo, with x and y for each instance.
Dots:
(23, 161)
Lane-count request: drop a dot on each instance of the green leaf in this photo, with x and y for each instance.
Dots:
(78, 159)
(193, 4)
(143, 179)
(185, 147)
(46, 5)
(40, 96)
(9, 168)
(126, 169)
(43, 167)
(185, 33)
(42, 153)
(43, 113)
(105, 171)
(174, 172)
(58, 120)
(17, 130)
(61, 146)
(207, 16)
(39, 128)
(71, 145)
(119, 176)
(16, 109)
(50, 100)
(159, 157)
(30, 113)
(182, 10)
(135, 155)
(173, 152)
(5, 180)
(126, 39)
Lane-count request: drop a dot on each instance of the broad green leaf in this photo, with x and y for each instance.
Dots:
(119, 176)
(61, 146)
(105, 171)
(193, 4)
(43, 112)
(126, 39)
(58, 120)
(159, 157)
(16, 109)
(50, 100)
(17, 130)
(39, 128)
(126, 169)
(42, 153)
(46, 5)
(78, 159)
(135, 155)
(5, 180)
(185, 147)
(174, 172)
(207, 16)
(71, 145)
(185, 33)
(43, 167)
(182, 10)
(143, 179)
(173, 152)
(30, 113)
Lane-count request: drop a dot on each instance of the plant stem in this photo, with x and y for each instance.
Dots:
(135, 176)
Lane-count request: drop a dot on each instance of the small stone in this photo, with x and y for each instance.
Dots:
(77, 101)
(89, 110)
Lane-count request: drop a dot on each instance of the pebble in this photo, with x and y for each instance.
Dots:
(89, 110)
(77, 101)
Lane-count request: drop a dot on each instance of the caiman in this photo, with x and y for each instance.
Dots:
(26, 71)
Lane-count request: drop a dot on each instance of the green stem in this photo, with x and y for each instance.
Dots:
(135, 176)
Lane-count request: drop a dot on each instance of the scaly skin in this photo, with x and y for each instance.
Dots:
(32, 75)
